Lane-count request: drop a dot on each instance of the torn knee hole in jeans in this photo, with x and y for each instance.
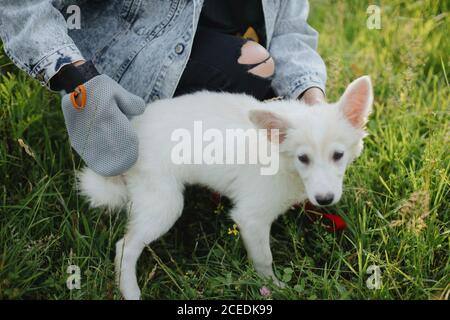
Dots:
(256, 60)
(264, 69)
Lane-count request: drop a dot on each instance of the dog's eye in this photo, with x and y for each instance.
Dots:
(303, 159)
(337, 155)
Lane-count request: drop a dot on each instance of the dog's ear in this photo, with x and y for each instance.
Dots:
(275, 124)
(356, 102)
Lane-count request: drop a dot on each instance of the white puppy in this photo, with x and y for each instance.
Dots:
(315, 143)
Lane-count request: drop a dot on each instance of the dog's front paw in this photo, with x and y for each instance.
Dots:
(278, 283)
(130, 292)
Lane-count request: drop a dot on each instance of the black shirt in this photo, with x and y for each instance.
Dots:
(234, 17)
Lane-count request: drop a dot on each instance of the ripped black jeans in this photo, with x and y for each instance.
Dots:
(213, 65)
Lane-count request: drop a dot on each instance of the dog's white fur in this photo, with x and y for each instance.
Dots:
(154, 186)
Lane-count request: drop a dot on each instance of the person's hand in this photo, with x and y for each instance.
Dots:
(96, 116)
(313, 96)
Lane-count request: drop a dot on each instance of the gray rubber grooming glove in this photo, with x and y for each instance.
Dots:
(98, 125)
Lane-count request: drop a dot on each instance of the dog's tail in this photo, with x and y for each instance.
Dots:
(109, 192)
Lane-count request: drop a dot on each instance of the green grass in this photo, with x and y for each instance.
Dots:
(396, 201)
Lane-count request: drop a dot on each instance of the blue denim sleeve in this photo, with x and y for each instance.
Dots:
(293, 47)
(34, 35)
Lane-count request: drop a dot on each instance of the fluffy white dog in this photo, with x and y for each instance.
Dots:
(315, 144)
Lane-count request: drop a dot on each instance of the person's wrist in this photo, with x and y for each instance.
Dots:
(78, 63)
(72, 75)
(313, 95)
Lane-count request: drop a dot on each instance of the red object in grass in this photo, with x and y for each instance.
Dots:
(337, 223)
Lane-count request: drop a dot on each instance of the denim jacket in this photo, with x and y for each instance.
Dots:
(145, 44)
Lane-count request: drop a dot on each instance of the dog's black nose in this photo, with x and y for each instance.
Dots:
(324, 200)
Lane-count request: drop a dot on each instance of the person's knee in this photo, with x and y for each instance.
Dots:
(253, 53)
